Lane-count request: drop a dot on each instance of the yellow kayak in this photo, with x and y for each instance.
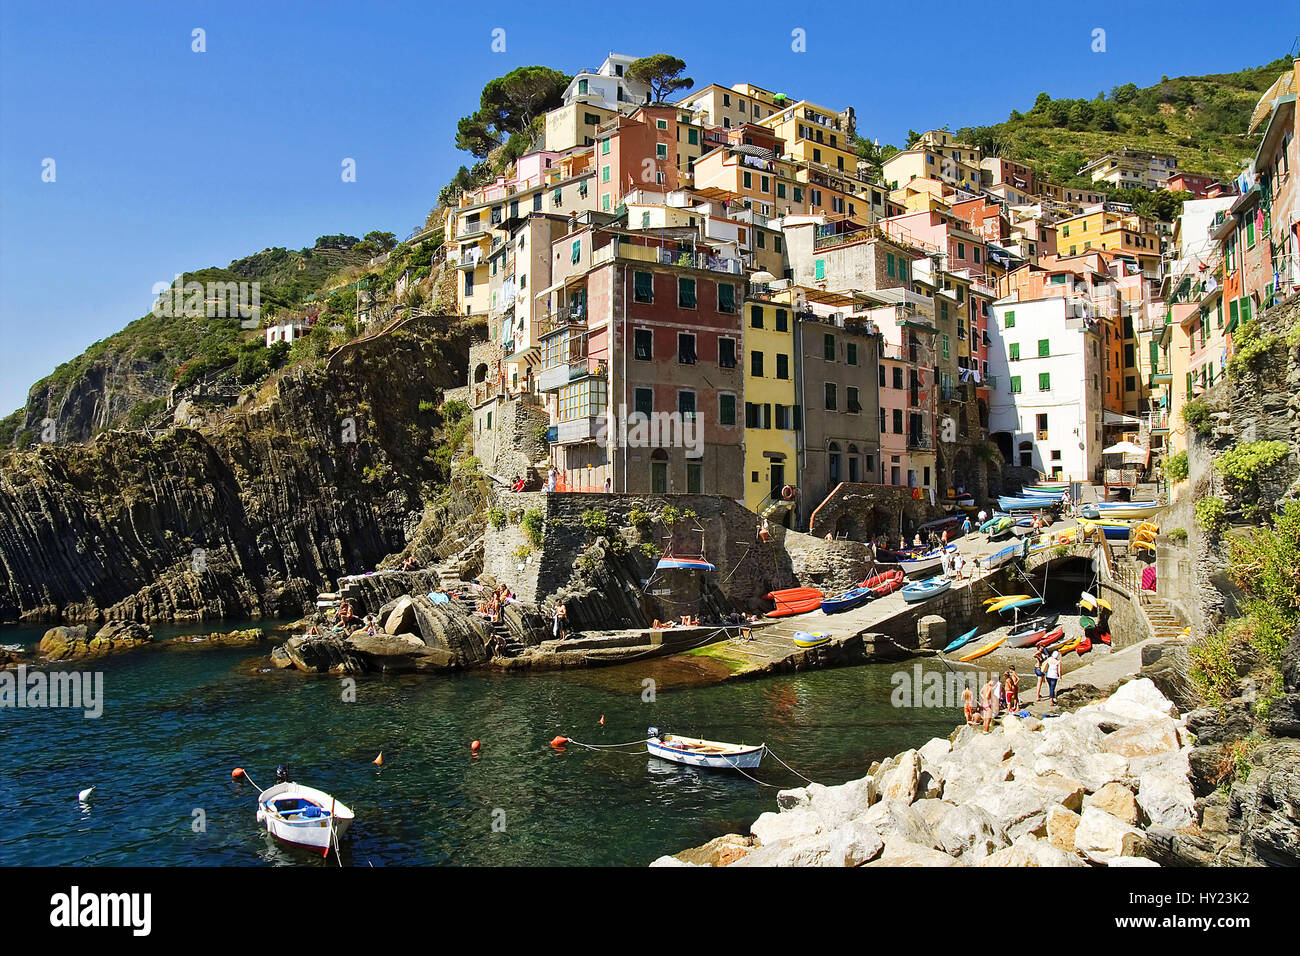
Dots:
(981, 651)
(1069, 645)
(994, 604)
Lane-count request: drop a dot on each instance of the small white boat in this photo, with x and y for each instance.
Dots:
(300, 815)
(703, 753)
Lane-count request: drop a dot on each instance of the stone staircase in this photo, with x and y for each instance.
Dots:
(450, 580)
(1165, 624)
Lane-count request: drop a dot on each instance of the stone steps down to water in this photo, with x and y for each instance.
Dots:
(1085, 788)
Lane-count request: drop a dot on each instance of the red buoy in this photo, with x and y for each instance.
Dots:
(559, 742)
(474, 747)
(236, 773)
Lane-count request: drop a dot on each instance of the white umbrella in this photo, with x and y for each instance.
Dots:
(1124, 448)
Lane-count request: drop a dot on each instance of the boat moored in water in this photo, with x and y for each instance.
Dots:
(695, 752)
(300, 815)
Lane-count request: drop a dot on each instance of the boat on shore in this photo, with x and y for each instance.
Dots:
(694, 752)
(887, 582)
(924, 590)
(847, 601)
(1130, 510)
(805, 639)
(790, 601)
(961, 641)
(300, 815)
(927, 561)
(1025, 504)
(979, 652)
(999, 558)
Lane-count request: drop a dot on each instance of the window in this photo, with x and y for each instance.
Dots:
(726, 353)
(851, 353)
(1044, 381)
(783, 366)
(780, 190)
(898, 421)
(576, 252)
(582, 87)
(782, 320)
(947, 347)
(830, 396)
(726, 298)
(881, 370)
(685, 292)
(755, 316)
(819, 269)
(643, 349)
(644, 399)
(746, 180)
(604, 174)
(604, 146)
(1015, 384)
(1130, 383)
(828, 347)
(643, 287)
(661, 124)
(755, 363)
(537, 202)
(584, 399)
(685, 348)
(693, 136)
(1130, 356)
(726, 409)
(1044, 348)
(1013, 352)
(851, 397)
(1009, 322)
(889, 263)
(686, 404)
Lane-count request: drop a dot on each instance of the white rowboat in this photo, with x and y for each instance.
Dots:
(703, 753)
(302, 815)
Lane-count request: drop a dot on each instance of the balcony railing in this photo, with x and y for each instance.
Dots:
(560, 318)
(919, 440)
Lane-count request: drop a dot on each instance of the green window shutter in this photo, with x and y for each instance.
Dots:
(1044, 349)
(1245, 310)
(726, 297)
(644, 287)
(819, 269)
(1015, 384)
(1010, 322)
(604, 147)
(693, 137)
(1044, 381)
(686, 293)
(577, 249)
(1014, 351)
(902, 268)
(945, 345)
(604, 174)
(780, 190)
(889, 263)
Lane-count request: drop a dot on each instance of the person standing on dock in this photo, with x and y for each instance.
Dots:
(988, 702)
(558, 623)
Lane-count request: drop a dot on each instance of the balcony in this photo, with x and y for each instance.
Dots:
(470, 260)
(560, 319)
(952, 393)
(577, 430)
(919, 440)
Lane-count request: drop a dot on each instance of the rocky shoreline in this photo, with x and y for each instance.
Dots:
(1110, 784)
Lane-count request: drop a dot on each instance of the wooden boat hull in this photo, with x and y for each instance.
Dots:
(1025, 504)
(847, 601)
(924, 590)
(711, 754)
(925, 563)
(301, 816)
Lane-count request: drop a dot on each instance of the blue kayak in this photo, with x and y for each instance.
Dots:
(1021, 604)
(961, 641)
(847, 601)
(924, 590)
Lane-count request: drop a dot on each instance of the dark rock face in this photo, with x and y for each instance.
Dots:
(1213, 725)
(249, 518)
(1267, 805)
(321, 654)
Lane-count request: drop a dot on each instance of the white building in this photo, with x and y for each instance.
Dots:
(286, 332)
(607, 87)
(1046, 378)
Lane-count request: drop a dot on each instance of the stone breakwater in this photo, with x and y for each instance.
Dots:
(1079, 789)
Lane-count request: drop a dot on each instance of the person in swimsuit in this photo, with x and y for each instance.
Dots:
(988, 698)
(968, 704)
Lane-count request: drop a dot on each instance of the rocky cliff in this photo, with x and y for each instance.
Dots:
(324, 474)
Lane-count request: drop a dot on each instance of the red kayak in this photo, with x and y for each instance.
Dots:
(1050, 638)
(1083, 647)
(1104, 638)
(794, 601)
(884, 583)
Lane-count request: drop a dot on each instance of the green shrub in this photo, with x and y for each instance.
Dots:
(454, 411)
(532, 523)
(596, 522)
(498, 518)
(1176, 467)
(1250, 346)
(1211, 515)
(523, 551)
(1245, 464)
(1178, 535)
(426, 406)
(1198, 416)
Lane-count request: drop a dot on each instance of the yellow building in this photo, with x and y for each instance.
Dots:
(742, 103)
(771, 442)
(936, 155)
(1114, 229)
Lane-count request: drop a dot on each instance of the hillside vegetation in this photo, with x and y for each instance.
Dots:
(1200, 119)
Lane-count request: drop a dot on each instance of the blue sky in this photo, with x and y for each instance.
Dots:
(168, 160)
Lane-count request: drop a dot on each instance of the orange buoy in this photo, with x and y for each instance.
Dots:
(379, 761)
(475, 747)
(236, 773)
(559, 742)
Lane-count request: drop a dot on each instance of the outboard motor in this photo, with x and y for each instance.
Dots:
(282, 774)
(652, 732)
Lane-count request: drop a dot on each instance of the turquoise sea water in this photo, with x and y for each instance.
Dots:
(177, 720)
